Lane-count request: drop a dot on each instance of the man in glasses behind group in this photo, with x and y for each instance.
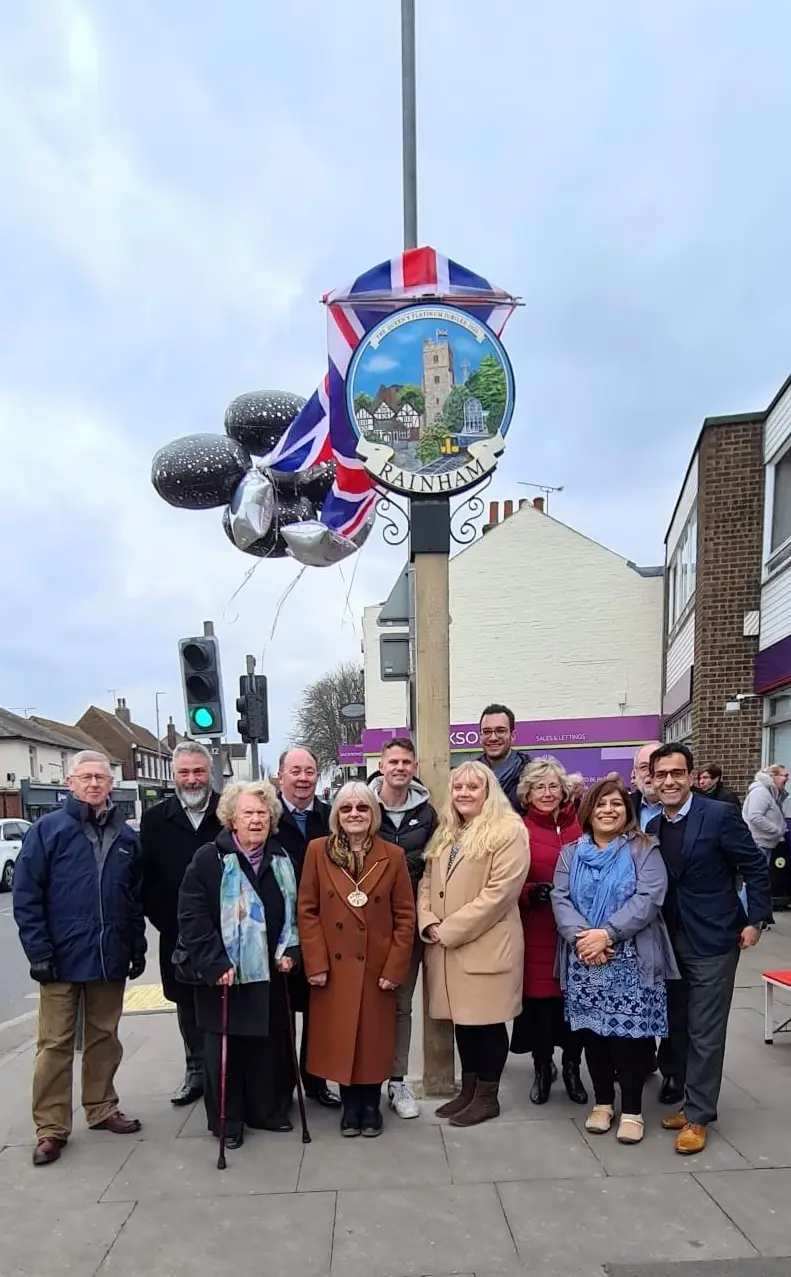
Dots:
(497, 739)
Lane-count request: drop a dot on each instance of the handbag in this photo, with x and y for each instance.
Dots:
(184, 970)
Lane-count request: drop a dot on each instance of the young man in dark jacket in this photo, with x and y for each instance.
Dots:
(408, 820)
(711, 785)
(77, 903)
(497, 738)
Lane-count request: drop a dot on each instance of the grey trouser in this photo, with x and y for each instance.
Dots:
(698, 1006)
(404, 995)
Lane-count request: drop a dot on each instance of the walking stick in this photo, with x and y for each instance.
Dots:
(221, 1163)
(300, 1094)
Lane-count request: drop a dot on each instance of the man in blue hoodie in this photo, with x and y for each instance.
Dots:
(78, 906)
(497, 738)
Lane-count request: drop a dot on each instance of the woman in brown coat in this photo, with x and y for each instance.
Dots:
(468, 914)
(357, 931)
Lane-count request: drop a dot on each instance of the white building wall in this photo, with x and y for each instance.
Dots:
(776, 590)
(680, 653)
(775, 609)
(15, 759)
(528, 628)
(689, 495)
(778, 426)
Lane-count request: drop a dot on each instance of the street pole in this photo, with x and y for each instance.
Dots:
(159, 736)
(255, 761)
(217, 778)
(429, 553)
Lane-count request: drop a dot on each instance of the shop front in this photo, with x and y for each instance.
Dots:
(39, 800)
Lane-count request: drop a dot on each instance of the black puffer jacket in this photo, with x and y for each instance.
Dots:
(418, 822)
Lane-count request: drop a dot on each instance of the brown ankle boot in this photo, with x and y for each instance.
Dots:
(460, 1101)
(484, 1106)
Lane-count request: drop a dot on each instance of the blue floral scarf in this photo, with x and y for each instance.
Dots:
(243, 920)
(602, 881)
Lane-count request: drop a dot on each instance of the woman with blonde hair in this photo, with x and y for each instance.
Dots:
(468, 915)
(238, 930)
(357, 929)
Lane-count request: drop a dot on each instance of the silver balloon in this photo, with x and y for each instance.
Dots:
(316, 546)
(252, 509)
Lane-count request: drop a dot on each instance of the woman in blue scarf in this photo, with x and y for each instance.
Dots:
(238, 924)
(614, 952)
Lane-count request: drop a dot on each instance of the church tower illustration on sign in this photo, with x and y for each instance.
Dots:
(438, 377)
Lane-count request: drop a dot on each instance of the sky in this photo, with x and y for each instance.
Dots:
(182, 182)
(399, 358)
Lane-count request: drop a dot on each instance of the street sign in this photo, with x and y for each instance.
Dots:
(353, 713)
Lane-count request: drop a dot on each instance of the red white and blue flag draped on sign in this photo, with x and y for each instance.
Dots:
(322, 430)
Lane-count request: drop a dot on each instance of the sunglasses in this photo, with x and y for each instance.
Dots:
(346, 810)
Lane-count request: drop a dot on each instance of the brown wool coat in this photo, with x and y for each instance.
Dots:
(351, 1038)
(475, 975)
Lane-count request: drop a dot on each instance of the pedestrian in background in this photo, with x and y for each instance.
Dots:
(765, 819)
(497, 727)
(78, 907)
(305, 817)
(576, 787)
(551, 823)
(710, 784)
(238, 927)
(170, 834)
(468, 914)
(615, 954)
(357, 927)
(644, 801)
(408, 821)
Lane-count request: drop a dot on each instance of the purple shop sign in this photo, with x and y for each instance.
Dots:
(351, 755)
(545, 735)
(773, 666)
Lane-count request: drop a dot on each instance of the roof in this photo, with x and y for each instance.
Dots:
(125, 734)
(14, 727)
(80, 739)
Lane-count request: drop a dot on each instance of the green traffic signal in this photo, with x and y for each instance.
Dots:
(203, 718)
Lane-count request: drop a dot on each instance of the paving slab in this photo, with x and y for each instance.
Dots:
(761, 1136)
(657, 1152)
(266, 1163)
(667, 1217)
(45, 1242)
(404, 1156)
(759, 1203)
(711, 1268)
(86, 1168)
(411, 1232)
(518, 1151)
(263, 1237)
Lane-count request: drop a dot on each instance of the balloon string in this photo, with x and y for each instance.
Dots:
(347, 605)
(236, 593)
(278, 610)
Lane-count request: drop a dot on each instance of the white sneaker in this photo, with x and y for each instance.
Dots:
(402, 1101)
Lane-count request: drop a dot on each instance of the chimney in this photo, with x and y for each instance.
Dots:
(493, 512)
(508, 509)
(122, 712)
(538, 504)
(172, 738)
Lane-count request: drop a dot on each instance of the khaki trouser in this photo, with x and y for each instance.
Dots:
(54, 1065)
(404, 995)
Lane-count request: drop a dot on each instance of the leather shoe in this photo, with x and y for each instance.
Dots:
(351, 1123)
(670, 1092)
(542, 1084)
(325, 1097)
(573, 1084)
(692, 1139)
(119, 1124)
(188, 1093)
(234, 1141)
(674, 1122)
(47, 1151)
(373, 1122)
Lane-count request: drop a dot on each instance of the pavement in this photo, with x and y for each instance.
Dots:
(530, 1193)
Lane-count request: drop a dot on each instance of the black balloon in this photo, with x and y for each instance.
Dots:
(199, 472)
(258, 419)
(314, 483)
(272, 546)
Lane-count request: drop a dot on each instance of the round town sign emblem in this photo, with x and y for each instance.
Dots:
(430, 395)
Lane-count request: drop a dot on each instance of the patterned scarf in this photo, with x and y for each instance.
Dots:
(243, 920)
(341, 854)
(602, 880)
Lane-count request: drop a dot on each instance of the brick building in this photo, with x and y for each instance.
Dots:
(144, 759)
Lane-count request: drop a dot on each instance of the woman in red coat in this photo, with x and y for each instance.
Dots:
(551, 822)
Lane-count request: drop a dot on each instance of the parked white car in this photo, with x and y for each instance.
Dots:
(11, 834)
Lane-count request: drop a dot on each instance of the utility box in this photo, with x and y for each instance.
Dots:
(394, 657)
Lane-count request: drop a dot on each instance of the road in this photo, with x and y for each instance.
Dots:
(17, 990)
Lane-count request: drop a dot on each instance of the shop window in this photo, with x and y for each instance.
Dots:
(682, 572)
(780, 531)
(777, 720)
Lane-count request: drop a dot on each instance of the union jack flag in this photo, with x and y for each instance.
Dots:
(322, 429)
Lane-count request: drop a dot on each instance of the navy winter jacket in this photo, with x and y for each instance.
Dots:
(87, 920)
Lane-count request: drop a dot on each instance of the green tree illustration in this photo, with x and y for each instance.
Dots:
(413, 395)
(429, 449)
(363, 401)
(453, 409)
(488, 383)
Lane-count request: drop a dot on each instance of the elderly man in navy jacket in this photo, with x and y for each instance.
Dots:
(77, 903)
(705, 847)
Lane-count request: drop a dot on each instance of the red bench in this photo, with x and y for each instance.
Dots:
(774, 980)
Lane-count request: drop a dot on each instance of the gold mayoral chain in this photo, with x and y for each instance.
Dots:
(357, 898)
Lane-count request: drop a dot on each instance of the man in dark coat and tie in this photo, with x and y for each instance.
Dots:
(170, 834)
(304, 818)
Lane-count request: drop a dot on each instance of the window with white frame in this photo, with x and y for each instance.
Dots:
(780, 518)
(777, 722)
(680, 729)
(682, 572)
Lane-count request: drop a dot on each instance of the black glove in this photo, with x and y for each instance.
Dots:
(43, 972)
(137, 966)
(541, 893)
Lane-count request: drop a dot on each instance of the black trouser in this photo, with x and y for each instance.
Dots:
(311, 1084)
(356, 1098)
(192, 1037)
(259, 1082)
(483, 1050)
(626, 1058)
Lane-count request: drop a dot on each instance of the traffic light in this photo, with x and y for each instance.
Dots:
(253, 709)
(202, 681)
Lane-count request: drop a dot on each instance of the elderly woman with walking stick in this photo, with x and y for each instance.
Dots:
(238, 941)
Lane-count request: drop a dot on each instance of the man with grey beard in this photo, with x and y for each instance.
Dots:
(170, 834)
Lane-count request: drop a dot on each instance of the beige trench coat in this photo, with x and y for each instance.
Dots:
(475, 976)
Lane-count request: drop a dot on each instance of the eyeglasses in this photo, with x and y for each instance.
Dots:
(495, 731)
(551, 788)
(677, 773)
(347, 809)
(97, 778)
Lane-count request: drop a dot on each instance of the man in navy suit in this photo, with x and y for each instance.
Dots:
(705, 846)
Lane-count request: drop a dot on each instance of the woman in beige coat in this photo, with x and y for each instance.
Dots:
(468, 914)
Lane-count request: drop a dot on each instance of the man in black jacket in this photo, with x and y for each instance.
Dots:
(408, 820)
(711, 786)
(170, 834)
(304, 818)
(497, 739)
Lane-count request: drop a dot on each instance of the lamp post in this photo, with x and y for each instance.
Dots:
(159, 738)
